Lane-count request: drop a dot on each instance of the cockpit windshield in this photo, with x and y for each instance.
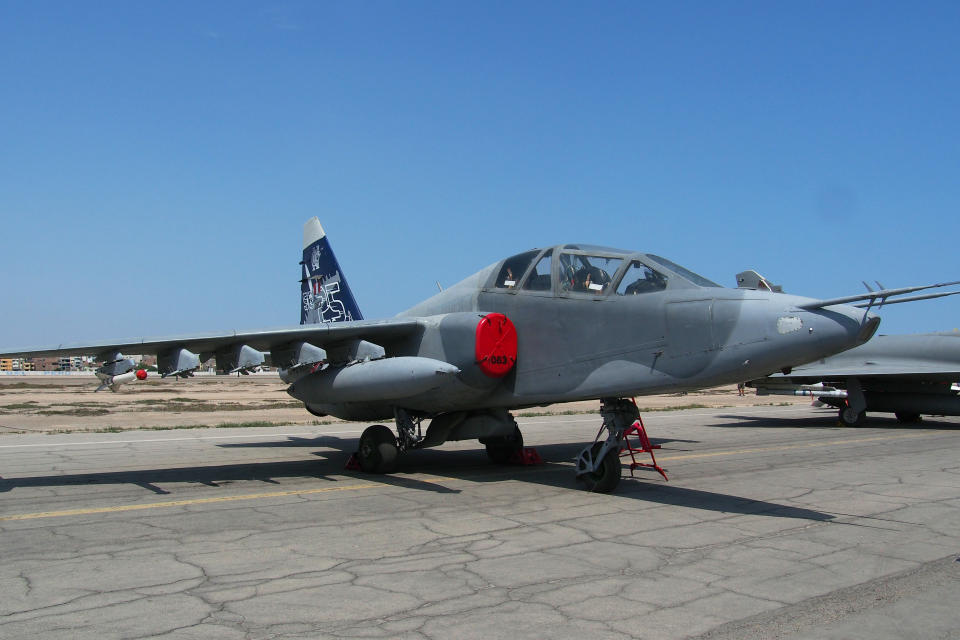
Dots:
(513, 269)
(587, 274)
(539, 279)
(695, 278)
(639, 278)
(593, 271)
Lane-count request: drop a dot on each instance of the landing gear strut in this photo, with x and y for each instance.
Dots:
(411, 436)
(379, 448)
(854, 412)
(598, 466)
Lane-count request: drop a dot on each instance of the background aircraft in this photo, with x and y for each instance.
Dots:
(906, 375)
(556, 324)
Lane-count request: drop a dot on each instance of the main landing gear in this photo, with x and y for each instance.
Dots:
(501, 449)
(598, 466)
(379, 448)
(850, 417)
(494, 428)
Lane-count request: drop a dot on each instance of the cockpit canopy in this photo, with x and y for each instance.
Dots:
(592, 271)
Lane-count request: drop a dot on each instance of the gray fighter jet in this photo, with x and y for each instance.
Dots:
(556, 324)
(907, 375)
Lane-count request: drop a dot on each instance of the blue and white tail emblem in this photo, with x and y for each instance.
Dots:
(324, 292)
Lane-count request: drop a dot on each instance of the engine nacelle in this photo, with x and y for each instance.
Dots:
(456, 359)
(496, 345)
(482, 345)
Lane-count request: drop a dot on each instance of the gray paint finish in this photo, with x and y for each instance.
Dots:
(909, 375)
(591, 323)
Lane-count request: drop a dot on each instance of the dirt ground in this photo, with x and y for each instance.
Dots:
(54, 404)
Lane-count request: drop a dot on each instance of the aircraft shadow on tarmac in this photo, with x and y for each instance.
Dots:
(462, 464)
(646, 486)
(217, 475)
(828, 420)
(473, 465)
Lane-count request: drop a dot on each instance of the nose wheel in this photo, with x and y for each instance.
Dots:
(606, 474)
(854, 412)
(598, 466)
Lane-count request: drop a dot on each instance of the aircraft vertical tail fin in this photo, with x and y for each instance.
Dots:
(325, 295)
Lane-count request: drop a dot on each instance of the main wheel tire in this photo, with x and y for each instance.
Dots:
(851, 418)
(502, 448)
(607, 475)
(378, 450)
(907, 418)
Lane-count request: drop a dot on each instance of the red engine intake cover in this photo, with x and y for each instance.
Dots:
(496, 345)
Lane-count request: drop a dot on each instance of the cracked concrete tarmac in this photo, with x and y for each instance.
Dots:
(775, 523)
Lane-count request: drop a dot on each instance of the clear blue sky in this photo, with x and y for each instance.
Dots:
(159, 159)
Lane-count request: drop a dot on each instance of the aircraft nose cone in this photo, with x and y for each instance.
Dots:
(842, 327)
(803, 332)
(869, 328)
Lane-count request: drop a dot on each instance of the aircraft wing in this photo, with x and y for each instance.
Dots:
(263, 339)
(888, 368)
(933, 357)
(235, 350)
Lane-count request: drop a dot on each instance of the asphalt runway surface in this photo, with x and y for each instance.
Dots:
(775, 523)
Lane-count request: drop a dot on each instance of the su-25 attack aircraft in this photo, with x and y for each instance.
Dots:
(558, 324)
(907, 375)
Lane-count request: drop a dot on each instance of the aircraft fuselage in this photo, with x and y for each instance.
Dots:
(600, 343)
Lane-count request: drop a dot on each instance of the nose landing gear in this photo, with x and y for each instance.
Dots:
(854, 412)
(598, 466)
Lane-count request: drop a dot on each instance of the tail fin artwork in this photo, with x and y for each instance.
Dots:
(325, 295)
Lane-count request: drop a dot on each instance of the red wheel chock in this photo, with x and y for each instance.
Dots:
(526, 456)
(637, 429)
(352, 464)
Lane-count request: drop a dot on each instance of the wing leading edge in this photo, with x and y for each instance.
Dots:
(291, 348)
(907, 375)
(319, 335)
(933, 356)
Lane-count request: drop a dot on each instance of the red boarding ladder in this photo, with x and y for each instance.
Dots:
(637, 429)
